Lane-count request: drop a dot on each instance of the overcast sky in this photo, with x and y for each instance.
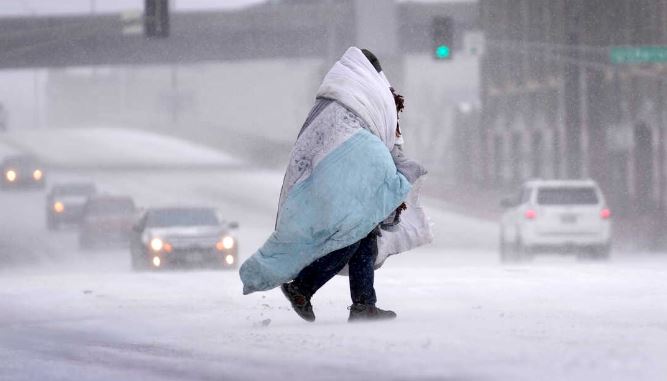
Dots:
(42, 7)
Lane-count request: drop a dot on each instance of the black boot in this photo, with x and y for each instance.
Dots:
(300, 302)
(367, 312)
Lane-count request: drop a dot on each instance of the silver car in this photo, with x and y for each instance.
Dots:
(183, 236)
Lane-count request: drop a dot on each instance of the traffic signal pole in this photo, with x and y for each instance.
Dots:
(156, 18)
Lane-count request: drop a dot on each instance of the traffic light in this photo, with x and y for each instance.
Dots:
(443, 38)
(156, 18)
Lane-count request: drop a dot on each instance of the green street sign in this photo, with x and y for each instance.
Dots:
(638, 54)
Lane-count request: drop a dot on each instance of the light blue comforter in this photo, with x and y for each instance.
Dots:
(345, 195)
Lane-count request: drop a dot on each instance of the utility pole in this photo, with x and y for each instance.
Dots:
(175, 100)
(35, 91)
(660, 100)
(573, 97)
(35, 78)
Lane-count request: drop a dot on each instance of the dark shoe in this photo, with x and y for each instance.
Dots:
(363, 312)
(300, 302)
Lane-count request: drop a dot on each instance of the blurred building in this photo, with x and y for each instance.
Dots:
(555, 103)
(246, 78)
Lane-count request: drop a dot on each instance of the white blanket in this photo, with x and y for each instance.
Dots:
(413, 231)
(354, 82)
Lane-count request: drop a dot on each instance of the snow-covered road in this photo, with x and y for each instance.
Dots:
(66, 314)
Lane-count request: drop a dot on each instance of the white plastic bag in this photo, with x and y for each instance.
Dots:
(413, 231)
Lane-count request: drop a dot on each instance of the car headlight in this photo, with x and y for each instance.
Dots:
(37, 174)
(10, 175)
(225, 244)
(229, 259)
(58, 207)
(156, 244)
(156, 261)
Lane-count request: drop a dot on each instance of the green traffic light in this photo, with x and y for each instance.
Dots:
(442, 51)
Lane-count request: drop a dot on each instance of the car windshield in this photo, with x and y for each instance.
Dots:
(567, 196)
(75, 190)
(182, 217)
(21, 161)
(115, 206)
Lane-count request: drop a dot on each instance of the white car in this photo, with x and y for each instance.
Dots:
(556, 215)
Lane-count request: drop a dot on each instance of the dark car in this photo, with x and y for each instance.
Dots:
(22, 171)
(65, 202)
(185, 236)
(106, 220)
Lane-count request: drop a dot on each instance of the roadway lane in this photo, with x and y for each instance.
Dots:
(70, 314)
(241, 195)
(24, 239)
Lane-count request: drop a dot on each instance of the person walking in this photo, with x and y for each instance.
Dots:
(346, 180)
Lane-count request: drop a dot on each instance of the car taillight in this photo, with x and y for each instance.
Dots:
(605, 214)
(530, 214)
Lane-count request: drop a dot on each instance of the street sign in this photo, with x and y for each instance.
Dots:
(132, 22)
(638, 54)
(474, 43)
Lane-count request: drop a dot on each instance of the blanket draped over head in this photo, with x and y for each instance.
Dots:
(341, 180)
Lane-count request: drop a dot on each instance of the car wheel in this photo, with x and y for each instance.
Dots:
(140, 261)
(524, 253)
(600, 253)
(224, 266)
(517, 252)
(510, 253)
(503, 248)
(139, 264)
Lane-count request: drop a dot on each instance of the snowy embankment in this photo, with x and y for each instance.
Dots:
(110, 148)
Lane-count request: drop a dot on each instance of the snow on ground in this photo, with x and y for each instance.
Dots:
(552, 321)
(70, 314)
(105, 147)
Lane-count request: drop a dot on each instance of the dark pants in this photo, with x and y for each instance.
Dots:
(360, 257)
